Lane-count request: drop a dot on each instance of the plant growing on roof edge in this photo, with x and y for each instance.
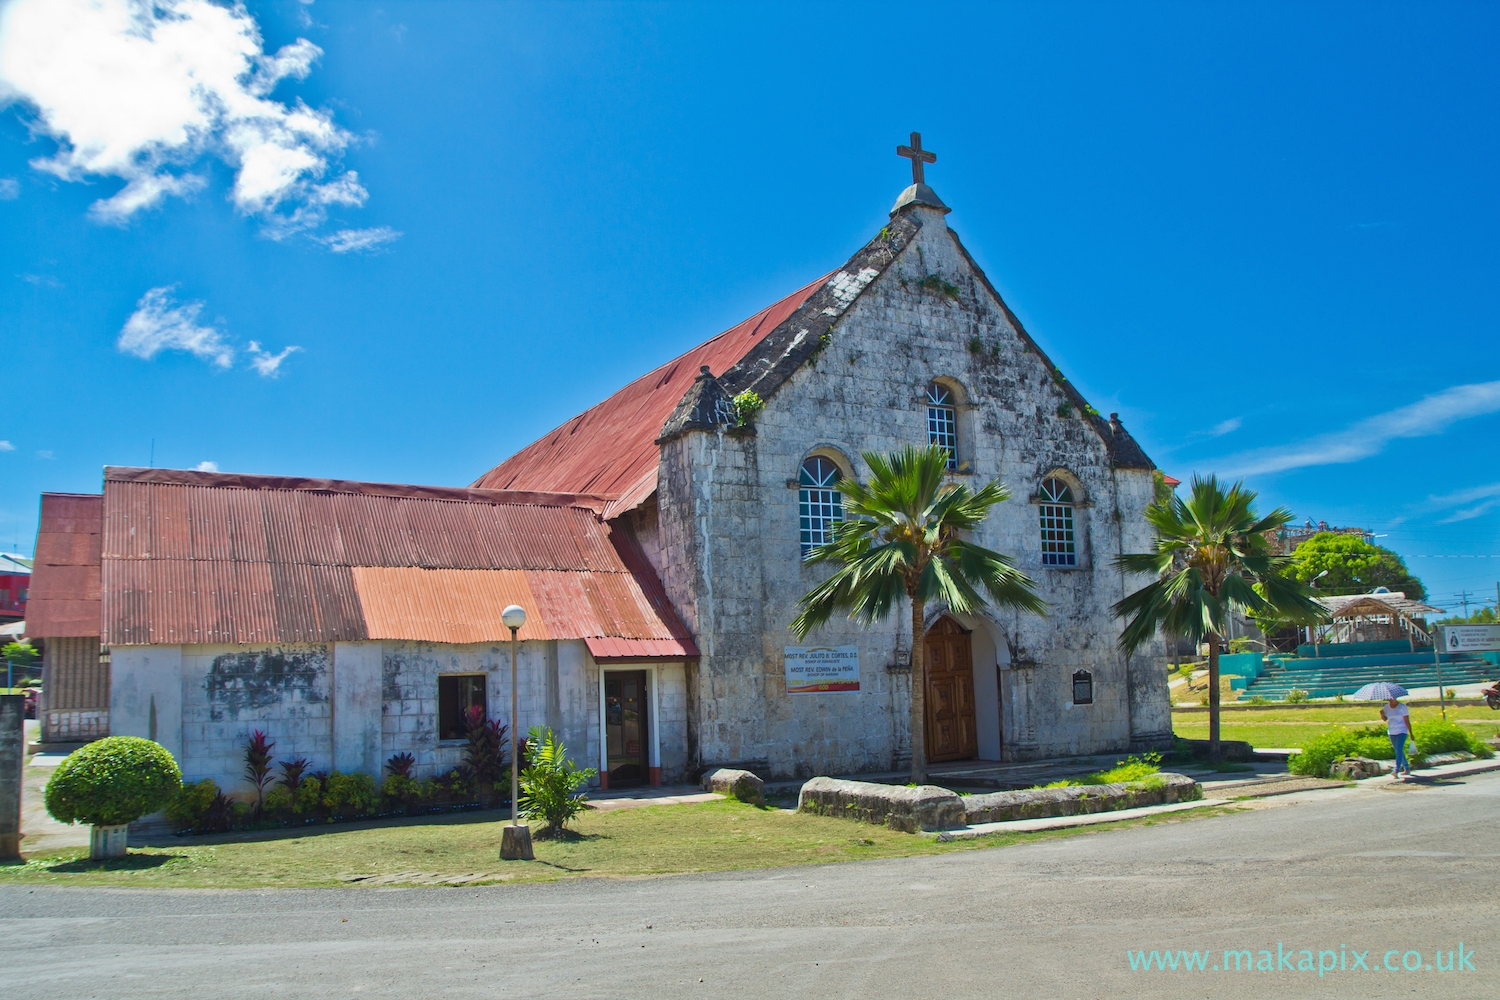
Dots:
(1212, 555)
(901, 537)
(746, 405)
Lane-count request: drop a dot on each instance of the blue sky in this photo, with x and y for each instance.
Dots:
(1265, 234)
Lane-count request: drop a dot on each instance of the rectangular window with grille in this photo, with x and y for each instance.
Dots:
(942, 430)
(1057, 535)
(820, 510)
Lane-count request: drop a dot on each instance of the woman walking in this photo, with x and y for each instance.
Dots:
(1398, 727)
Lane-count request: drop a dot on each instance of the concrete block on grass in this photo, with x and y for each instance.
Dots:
(925, 807)
(736, 784)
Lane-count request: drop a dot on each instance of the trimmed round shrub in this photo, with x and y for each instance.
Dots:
(113, 781)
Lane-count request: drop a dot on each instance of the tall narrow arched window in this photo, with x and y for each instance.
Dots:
(819, 504)
(942, 422)
(1058, 547)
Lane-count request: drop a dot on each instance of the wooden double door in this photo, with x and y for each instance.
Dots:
(950, 730)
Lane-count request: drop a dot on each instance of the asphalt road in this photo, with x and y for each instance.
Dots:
(1367, 875)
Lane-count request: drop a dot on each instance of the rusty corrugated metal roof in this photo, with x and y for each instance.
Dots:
(65, 580)
(610, 449)
(212, 558)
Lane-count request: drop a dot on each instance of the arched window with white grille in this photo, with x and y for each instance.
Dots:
(1058, 542)
(942, 420)
(819, 504)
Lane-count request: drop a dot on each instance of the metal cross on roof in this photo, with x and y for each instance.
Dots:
(917, 155)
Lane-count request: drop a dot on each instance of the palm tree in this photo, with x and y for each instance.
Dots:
(902, 536)
(1212, 556)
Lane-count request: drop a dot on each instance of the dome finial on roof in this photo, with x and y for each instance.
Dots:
(919, 193)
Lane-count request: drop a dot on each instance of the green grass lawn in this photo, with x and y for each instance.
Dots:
(710, 836)
(1291, 727)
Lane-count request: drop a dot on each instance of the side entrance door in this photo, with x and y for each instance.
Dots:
(951, 733)
(625, 728)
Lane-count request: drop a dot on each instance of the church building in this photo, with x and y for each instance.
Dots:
(658, 544)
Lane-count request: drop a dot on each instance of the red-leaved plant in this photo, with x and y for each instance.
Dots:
(258, 765)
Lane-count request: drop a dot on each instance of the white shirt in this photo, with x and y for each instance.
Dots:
(1398, 720)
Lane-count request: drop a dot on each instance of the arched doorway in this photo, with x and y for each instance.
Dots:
(950, 731)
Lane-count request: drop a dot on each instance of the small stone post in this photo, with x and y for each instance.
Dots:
(12, 759)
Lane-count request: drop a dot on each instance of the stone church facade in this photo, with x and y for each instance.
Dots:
(658, 542)
(908, 342)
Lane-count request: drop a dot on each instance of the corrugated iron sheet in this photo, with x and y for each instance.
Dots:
(610, 449)
(65, 581)
(243, 559)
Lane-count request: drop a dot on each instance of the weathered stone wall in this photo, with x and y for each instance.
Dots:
(729, 542)
(351, 705)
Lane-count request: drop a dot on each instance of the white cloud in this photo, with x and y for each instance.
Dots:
(160, 324)
(7, 446)
(1225, 427)
(206, 467)
(142, 90)
(1430, 415)
(266, 364)
(10, 189)
(1488, 497)
(45, 454)
(360, 240)
(40, 280)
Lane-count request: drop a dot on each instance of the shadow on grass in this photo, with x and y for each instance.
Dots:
(129, 863)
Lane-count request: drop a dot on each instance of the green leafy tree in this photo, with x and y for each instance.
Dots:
(20, 654)
(903, 536)
(1212, 556)
(1354, 566)
(112, 781)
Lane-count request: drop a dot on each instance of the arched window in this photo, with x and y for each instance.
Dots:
(942, 423)
(819, 505)
(1057, 524)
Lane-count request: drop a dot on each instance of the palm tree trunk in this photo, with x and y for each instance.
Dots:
(1214, 751)
(918, 694)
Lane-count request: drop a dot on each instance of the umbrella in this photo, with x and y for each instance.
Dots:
(1379, 691)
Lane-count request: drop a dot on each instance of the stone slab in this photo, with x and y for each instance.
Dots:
(1041, 803)
(925, 807)
(1062, 822)
(735, 783)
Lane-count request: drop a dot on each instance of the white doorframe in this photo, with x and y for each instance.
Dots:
(653, 736)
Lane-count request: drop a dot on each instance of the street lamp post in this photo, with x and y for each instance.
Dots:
(515, 840)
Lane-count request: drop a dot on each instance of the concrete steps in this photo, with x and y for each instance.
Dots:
(1326, 677)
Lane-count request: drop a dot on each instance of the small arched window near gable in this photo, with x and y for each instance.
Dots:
(820, 505)
(942, 420)
(1058, 545)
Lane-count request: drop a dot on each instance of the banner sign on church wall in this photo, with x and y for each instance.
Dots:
(822, 669)
(1470, 638)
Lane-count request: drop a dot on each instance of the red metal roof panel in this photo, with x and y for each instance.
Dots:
(610, 448)
(246, 560)
(66, 583)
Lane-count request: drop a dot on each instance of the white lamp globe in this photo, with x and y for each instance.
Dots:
(513, 616)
